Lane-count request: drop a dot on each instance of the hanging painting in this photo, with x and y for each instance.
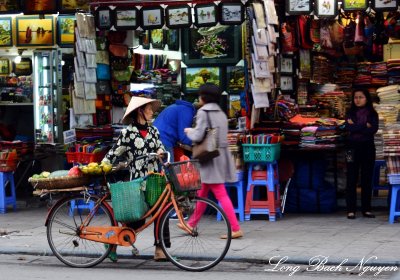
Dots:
(6, 32)
(178, 16)
(125, 18)
(152, 17)
(171, 39)
(33, 31)
(103, 18)
(157, 38)
(10, 7)
(298, 7)
(231, 13)
(211, 45)
(235, 78)
(193, 78)
(71, 6)
(385, 5)
(4, 66)
(31, 7)
(326, 8)
(205, 15)
(355, 5)
(66, 30)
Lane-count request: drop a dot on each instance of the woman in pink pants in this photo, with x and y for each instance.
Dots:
(220, 169)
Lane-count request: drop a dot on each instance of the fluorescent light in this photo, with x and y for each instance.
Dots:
(17, 59)
(143, 86)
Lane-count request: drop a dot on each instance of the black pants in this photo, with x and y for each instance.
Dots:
(360, 158)
(138, 224)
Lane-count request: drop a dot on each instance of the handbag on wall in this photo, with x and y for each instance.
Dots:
(207, 149)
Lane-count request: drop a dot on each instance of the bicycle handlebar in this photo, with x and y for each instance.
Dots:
(123, 165)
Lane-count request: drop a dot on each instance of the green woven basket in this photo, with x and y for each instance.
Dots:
(128, 200)
(155, 185)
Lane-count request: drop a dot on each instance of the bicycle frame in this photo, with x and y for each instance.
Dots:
(125, 236)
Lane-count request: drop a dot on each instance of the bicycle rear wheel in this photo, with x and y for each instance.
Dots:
(204, 248)
(63, 224)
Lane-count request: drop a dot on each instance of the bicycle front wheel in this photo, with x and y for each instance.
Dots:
(63, 231)
(204, 248)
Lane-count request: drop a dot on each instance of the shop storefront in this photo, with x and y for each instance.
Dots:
(287, 69)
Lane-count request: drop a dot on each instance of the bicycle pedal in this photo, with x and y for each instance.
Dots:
(135, 251)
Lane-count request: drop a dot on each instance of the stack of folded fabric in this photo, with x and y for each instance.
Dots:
(378, 139)
(322, 70)
(393, 70)
(391, 149)
(363, 76)
(379, 74)
(389, 103)
(319, 136)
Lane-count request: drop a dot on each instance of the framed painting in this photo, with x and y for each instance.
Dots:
(157, 39)
(24, 68)
(326, 8)
(286, 64)
(126, 18)
(171, 39)
(6, 39)
(144, 39)
(385, 5)
(298, 7)
(205, 15)
(193, 78)
(103, 18)
(355, 5)
(10, 7)
(211, 46)
(235, 78)
(178, 16)
(39, 7)
(4, 66)
(231, 13)
(286, 83)
(33, 31)
(152, 17)
(66, 31)
(71, 6)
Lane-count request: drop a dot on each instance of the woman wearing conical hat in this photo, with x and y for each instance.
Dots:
(137, 139)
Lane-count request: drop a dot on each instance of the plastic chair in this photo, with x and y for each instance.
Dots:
(394, 203)
(7, 178)
(240, 197)
(270, 180)
(376, 187)
(78, 205)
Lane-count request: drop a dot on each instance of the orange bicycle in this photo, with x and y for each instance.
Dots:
(79, 224)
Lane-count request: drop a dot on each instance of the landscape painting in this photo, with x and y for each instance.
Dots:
(32, 31)
(5, 32)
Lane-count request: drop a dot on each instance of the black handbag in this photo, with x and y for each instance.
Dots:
(207, 149)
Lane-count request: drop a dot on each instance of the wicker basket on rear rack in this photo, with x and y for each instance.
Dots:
(185, 175)
(63, 182)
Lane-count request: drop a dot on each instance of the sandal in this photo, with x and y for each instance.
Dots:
(112, 255)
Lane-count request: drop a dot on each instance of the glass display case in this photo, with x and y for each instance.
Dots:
(47, 96)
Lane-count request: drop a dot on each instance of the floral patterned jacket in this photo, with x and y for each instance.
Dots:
(131, 144)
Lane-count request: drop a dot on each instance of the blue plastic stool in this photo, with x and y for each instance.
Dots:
(394, 204)
(77, 205)
(376, 187)
(240, 198)
(271, 206)
(4, 199)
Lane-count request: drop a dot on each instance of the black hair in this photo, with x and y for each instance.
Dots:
(368, 105)
(210, 93)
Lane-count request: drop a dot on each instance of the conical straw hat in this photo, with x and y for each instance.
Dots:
(137, 102)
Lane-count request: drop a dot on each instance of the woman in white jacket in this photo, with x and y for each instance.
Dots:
(221, 169)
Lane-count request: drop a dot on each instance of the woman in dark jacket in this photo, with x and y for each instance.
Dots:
(362, 123)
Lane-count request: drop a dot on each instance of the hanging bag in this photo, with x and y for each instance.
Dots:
(207, 149)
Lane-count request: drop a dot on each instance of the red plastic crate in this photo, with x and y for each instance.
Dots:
(85, 158)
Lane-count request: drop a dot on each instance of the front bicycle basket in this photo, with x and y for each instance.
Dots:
(185, 175)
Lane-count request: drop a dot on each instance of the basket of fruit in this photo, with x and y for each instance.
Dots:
(61, 179)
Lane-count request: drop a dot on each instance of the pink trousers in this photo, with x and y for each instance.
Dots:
(221, 195)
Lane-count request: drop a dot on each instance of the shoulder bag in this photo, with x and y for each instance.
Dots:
(207, 149)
